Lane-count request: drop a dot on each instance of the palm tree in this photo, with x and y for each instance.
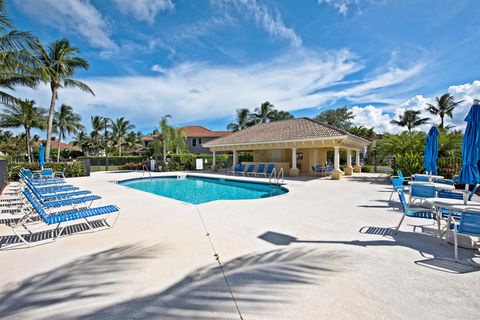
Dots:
(410, 119)
(133, 140)
(444, 107)
(58, 64)
(166, 131)
(263, 112)
(66, 122)
(98, 125)
(83, 141)
(24, 114)
(120, 128)
(16, 58)
(243, 118)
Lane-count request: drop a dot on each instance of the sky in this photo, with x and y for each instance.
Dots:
(199, 61)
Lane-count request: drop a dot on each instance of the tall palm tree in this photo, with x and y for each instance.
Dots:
(133, 140)
(24, 114)
(444, 106)
(83, 141)
(17, 60)
(243, 118)
(98, 126)
(410, 119)
(58, 64)
(165, 133)
(263, 112)
(120, 128)
(66, 122)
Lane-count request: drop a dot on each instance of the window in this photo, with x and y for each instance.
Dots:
(194, 142)
(200, 141)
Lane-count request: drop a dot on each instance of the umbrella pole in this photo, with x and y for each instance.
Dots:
(465, 194)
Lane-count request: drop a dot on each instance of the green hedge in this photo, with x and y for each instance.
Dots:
(114, 160)
(186, 161)
(73, 169)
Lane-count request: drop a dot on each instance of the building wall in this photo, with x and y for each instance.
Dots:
(195, 145)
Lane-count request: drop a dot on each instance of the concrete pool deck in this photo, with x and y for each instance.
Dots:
(322, 251)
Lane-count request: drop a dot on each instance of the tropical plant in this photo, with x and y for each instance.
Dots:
(410, 119)
(262, 113)
(393, 144)
(133, 140)
(57, 66)
(340, 117)
(444, 106)
(361, 131)
(409, 163)
(83, 141)
(17, 60)
(98, 126)
(24, 114)
(170, 138)
(242, 122)
(66, 122)
(279, 115)
(11, 144)
(120, 128)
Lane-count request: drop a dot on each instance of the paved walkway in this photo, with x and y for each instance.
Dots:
(325, 250)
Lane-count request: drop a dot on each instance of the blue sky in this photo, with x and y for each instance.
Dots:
(201, 60)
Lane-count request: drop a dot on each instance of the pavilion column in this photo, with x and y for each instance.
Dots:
(214, 161)
(294, 170)
(336, 173)
(358, 167)
(349, 168)
(235, 159)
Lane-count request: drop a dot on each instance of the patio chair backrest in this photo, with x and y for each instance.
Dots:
(397, 182)
(455, 178)
(474, 190)
(423, 191)
(38, 208)
(241, 167)
(470, 222)
(238, 167)
(421, 178)
(444, 181)
(250, 167)
(261, 167)
(400, 174)
(450, 194)
(47, 172)
(270, 168)
(403, 201)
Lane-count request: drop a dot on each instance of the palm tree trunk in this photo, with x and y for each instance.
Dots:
(441, 122)
(58, 149)
(50, 123)
(120, 147)
(27, 140)
(164, 151)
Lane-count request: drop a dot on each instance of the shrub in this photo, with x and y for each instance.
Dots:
(73, 169)
(186, 161)
(114, 160)
(132, 166)
(368, 169)
(409, 163)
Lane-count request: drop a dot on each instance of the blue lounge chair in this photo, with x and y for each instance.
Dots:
(51, 189)
(413, 213)
(239, 167)
(260, 169)
(60, 219)
(64, 202)
(37, 179)
(59, 195)
(397, 184)
(422, 178)
(469, 225)
(250, 170)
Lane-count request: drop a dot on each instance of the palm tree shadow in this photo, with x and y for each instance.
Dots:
(257, 281)
(86, 278)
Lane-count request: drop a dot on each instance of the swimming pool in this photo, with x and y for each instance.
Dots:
(196, 190)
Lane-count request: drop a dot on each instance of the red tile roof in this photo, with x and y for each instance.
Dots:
(199, 131)
(54, 145)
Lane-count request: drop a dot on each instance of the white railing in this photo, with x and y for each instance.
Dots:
(145, 168)
(280, 174)
(276, 176)
(273, 175)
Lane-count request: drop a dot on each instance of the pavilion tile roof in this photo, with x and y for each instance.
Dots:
(286, 130)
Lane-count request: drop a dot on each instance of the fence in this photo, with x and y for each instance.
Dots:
(3, 174)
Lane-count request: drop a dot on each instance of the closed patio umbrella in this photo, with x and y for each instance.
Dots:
(431, 151)
(41, 152)
(470, 148)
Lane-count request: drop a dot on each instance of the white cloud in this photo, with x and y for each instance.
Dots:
(158, 68)
(144, 10)
(272, 22)
(345, 6)
(78, 17)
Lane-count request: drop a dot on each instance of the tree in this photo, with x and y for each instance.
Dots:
(262, 113)
(410, 119)
(120, 128)
(16, 58)
(83, 141)
(242, 121)
(340, 117)
(279, 115)
(444, 106)
(133, 140)
(361, 131)
(24, 114)
(66, 122)
(58, 64)
(98, 126)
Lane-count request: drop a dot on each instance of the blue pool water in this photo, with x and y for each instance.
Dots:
(198, 190)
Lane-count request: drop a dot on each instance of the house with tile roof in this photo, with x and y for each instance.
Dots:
(195, 137)
(294, 145)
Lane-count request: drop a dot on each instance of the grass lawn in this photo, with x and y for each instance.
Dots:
(102, 168)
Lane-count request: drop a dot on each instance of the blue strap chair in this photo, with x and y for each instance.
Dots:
(422, 191)
(400, 174)
(270, 168)
(413, 213)
(421, 178)
(241, 167)
(61, 218)
(249, 170)
(397, 184)
(260, 169)
(469, 225)
(236, 169)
